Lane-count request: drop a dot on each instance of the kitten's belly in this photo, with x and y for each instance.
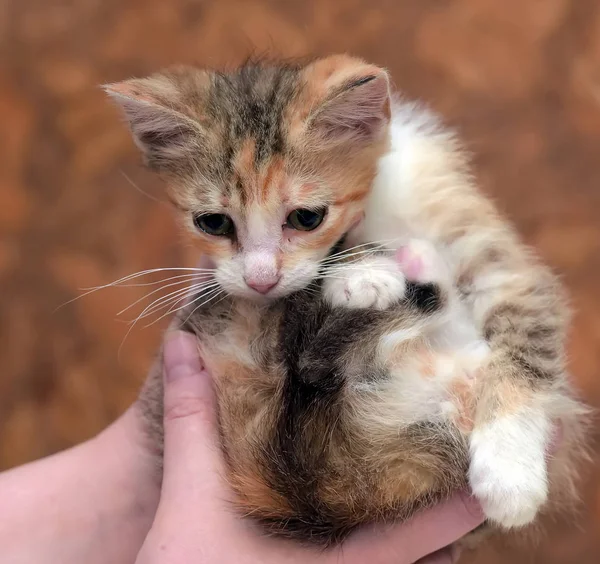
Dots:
(313, 467)
(435, 381)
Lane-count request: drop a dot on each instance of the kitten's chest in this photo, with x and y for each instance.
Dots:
(235, 336)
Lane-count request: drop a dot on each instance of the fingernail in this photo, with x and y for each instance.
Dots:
(180, 355)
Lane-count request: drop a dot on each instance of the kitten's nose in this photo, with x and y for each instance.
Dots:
(262, 286)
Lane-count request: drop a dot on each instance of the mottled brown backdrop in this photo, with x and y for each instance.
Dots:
(519, 78)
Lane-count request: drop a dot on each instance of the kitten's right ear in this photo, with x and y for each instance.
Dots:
(163, 133)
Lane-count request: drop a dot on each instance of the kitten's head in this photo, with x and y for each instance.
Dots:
(269, 165)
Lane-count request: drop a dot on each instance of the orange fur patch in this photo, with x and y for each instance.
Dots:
(426, 363)
(273, 177)
(353, 197)
(212, 247)
(463, 396)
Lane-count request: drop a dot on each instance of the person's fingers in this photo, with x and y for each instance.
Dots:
(427, 532)
(192, 460)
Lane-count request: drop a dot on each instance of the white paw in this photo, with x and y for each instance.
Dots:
(371, 283)
(508, 471)
(509, 494)
(420, 262)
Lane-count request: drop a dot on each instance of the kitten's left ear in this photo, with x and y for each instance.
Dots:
(354, 103)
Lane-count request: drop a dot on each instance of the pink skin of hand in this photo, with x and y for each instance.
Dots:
(195, 522)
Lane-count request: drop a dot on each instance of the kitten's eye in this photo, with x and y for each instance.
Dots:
(306, 220)
(217, 224)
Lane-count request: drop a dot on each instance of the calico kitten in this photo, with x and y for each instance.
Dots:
(341, 416)
(341, 400)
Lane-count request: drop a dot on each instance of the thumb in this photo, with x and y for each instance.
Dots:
(192, 459)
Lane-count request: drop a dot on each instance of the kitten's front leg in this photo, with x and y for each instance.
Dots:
(374, 282)
(380, 281)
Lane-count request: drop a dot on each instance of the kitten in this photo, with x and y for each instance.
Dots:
(342, 399)
(340, 416)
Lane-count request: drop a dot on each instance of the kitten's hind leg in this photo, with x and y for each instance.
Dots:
(508, 444)
(508, 471)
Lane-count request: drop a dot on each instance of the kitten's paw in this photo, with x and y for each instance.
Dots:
(371, 283)
(420, 262)
(509, 496)
(509, 477)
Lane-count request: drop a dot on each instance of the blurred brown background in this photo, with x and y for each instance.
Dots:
(519, 78)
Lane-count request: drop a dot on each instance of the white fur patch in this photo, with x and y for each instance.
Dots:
(508, 467)
(389, 341)
(422, 153)
(372, 283)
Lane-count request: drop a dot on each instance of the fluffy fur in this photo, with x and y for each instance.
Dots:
(362, 387)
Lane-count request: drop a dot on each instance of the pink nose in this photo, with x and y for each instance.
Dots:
(262, 287)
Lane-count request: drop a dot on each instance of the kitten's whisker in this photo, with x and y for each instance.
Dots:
(120, 281)
(374, 244)
(349, 249)
(205, 302)
(209, 295)
(356, 247)
(351, 252)
(154, 292)
(164, 301)
(153, 271)
(323, 277)
(337, 259)
(133, 325)
(175, 304)
(150, 196)
(195, 295)
(154, 283)
(350, 261)
(352, 266)
(311, 290)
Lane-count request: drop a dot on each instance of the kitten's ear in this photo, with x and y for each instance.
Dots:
(161, 128)
(355, 100)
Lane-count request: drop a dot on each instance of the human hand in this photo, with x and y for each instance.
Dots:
(91, 503)
(195, 523)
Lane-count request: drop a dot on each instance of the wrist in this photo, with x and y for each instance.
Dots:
(93, 503)
(130, 477)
